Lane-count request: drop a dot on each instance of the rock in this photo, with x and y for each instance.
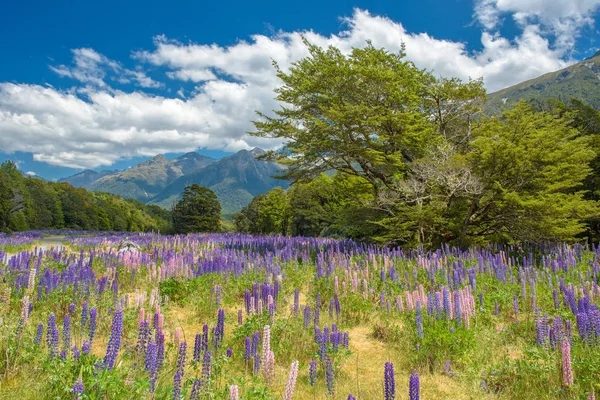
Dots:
(128, 245)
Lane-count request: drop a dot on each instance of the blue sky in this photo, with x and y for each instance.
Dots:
(107, 84)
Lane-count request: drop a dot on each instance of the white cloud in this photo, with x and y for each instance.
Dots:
(562, 18)
(91, 67)
(30, 173)
(96, 125)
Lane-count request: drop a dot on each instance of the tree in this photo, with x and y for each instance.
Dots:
(531, 167)
(438, 172)
(368, 114)
(198, 211)
(267, 214)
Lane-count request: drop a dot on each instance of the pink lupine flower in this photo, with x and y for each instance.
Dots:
(566, 363)
(288, 394)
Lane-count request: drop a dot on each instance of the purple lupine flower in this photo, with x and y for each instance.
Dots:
(350, 397)
(389, 385)
(71, 308)
(312, 372)
(329, 376)
(346, 340)
(229, 352)
(247, 349)
(86, 347)
(52, 336)
(84, 313)
(63, 355)
(196, 389)
(240, 317)
(114, 341)
(457, 309)
(322, 350)
(447, 368)
(38, 334)
(256, 363)
(197, 347)
(67, 332)
(93, 315)
(413, 388)
(160, 350)
(78, 388)
(204, 338)
(142, 340)
(206, 367)
(76, 353)
(516, 305)
(179, 371)
(152, 363)
(255, 340)
(317, 316)
(307, 313)
(220, 328)
(446, 300)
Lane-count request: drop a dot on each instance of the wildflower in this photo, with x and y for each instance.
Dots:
(389, 385)
(114, 341)
(78, 388)
(413, 390)
(329, 376)
(180, 371)
(234, 393)
(567, 368)
(288, 394)
(312, 372)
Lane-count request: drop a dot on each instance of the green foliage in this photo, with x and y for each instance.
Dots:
(529, 165)
(198, 211)
(31, 203)
(425, 168)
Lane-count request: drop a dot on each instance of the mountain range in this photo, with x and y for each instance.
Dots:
(235, 179)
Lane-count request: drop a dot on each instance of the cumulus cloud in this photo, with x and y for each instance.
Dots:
(562, 18)
(95, 124)
(91, 67)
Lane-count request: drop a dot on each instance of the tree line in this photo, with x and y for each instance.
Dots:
(379, 150)
(28, 203)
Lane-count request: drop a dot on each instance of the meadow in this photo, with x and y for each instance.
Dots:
(232, 316)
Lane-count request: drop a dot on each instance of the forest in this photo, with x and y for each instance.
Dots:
(30, 203)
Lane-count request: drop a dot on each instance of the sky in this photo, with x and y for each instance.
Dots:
(105, 85)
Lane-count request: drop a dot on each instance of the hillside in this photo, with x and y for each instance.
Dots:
(145, 180)
(580, 81)
(235, 180)
(86, 177)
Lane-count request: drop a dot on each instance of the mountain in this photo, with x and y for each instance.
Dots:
(86, 177)
(144, 180)
(235, 180)
(580, 81)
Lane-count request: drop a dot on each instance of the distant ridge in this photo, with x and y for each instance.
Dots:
(580, 81)
(235, 179)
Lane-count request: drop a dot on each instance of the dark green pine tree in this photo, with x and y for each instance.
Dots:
(198, 211)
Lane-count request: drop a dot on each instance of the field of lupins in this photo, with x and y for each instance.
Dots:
(243, 317)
